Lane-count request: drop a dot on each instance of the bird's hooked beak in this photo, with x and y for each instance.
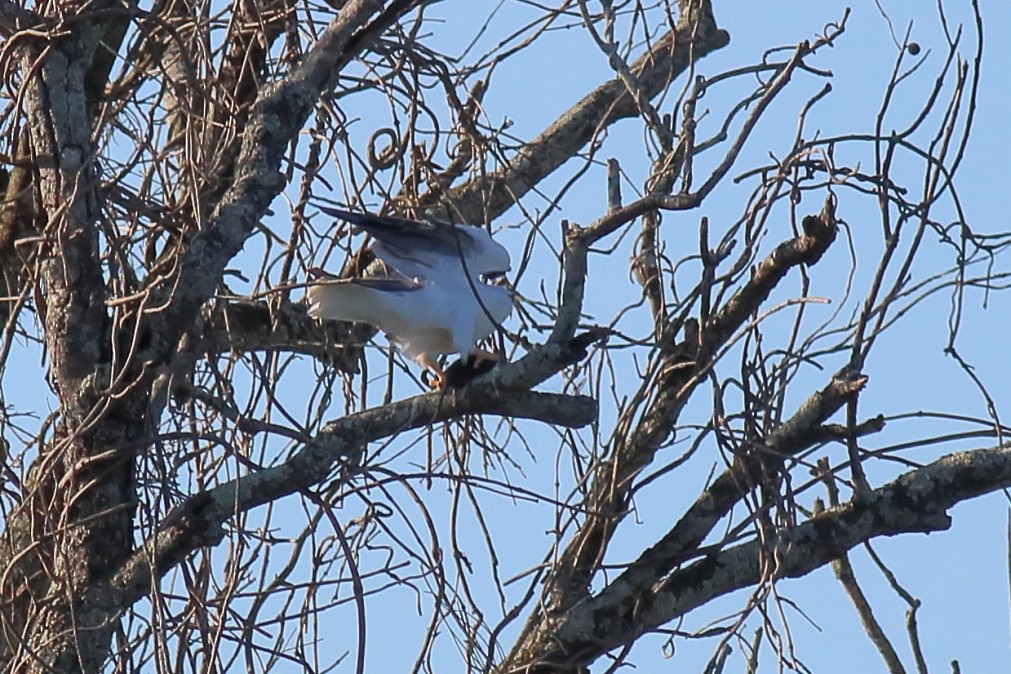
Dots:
(495, 278)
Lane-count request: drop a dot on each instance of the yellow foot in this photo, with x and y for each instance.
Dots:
(433, 380)
(436, 378)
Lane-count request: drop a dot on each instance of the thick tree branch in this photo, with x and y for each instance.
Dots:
(486, 197)
(916, 502)
(245, 325)
(56, 545)
(615, 478)
(14, 18)
(798, 433)
(113, 31)
(276, 117)
(60, 132)
(198, 522)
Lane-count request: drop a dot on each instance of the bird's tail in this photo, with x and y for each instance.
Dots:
(342, 301)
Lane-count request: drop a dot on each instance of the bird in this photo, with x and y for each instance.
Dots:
(444, 294)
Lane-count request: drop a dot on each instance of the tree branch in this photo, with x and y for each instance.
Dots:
(916, 502)
(14, 18)
(614, 480)
(796, 434)
(246, 325)
(198, 522)
(485, 197)
(276, 117)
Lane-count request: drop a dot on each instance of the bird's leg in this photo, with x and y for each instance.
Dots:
(438, 378)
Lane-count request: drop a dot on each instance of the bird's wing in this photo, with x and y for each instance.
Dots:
(429, 249)
(393, 284)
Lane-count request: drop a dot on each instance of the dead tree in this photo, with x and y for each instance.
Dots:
(199, 477)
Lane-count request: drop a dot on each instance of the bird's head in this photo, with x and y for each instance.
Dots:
(486, 257)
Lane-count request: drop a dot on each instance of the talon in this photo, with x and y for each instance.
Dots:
(432, 376)
(435, 382)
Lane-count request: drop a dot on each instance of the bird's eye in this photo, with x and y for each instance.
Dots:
(493, 277)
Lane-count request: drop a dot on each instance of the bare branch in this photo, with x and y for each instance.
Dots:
(915, 503)
(276, 117)
(484, 198)
(198, 522)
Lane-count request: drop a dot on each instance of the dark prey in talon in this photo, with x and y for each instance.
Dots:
(466, 370)
(440, 298)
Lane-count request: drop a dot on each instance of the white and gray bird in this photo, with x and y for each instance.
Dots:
(437, 301)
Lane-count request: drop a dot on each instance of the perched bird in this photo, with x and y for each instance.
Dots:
(440, 298)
